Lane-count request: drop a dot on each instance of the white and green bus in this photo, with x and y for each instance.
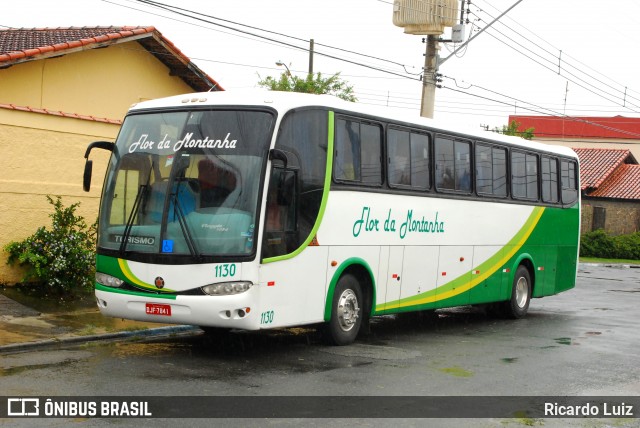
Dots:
(261, 210)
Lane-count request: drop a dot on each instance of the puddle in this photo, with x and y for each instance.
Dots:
(25, 321)
(15, 364)
(509, 360)
(565, 341)
(593, 333)
(373, 352)
(31, 297)
(456, 371)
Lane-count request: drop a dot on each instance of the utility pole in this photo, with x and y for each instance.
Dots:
(432, 62)
(427, 105)
(311, 46)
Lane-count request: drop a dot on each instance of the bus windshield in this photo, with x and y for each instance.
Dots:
(185, 183)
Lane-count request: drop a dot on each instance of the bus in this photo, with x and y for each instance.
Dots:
(265, 210)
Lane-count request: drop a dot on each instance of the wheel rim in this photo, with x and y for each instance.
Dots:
(522, 292)
(348, 310)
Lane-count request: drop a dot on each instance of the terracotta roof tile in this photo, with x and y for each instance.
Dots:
(617, 127)
(60, 113)
(15, 40)
(26, 44)
(596, 165)
(624, 183)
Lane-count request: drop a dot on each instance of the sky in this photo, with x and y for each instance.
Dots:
(544, 57)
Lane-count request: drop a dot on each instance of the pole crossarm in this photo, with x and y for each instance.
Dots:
(478, 33)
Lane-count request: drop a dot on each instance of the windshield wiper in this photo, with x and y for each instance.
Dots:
(183, 222)
(142, 190)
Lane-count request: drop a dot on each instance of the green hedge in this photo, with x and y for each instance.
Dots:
(602, 245)
(59, 259)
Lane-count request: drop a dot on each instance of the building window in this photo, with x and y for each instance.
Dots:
(599, 218)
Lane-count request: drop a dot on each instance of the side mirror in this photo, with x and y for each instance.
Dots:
(281, 155)
(86, 179)
(88, 166)
(289, 159)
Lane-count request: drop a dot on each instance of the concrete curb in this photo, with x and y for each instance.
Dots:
(611, 265)
(74, 340)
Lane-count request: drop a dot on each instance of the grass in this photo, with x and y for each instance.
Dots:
(609, 261)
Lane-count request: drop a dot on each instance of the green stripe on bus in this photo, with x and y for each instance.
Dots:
(336, 276)
(120, 269)
(462, 283)
(110, 266)
(325, 198)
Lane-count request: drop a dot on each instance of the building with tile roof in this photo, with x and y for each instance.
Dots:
(608, 148)
(587, 132)
(610, 182)
(60, 89)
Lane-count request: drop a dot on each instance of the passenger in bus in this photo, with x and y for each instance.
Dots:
(216, 184)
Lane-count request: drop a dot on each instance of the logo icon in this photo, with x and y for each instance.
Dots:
(23, 407)
(159, 282)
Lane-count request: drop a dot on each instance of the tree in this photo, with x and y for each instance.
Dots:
(313, 84)
(512, 129)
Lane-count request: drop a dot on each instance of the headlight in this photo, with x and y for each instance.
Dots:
(227, 288)
(108, 280)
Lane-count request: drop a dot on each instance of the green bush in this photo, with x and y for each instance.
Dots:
(602, 245)
(60, 259)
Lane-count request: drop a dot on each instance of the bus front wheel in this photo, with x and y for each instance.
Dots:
(518, 305)
(346, 311)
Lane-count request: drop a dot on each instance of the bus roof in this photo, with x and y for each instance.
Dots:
(285, 101)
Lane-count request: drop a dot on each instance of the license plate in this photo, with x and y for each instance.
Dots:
(156, 309)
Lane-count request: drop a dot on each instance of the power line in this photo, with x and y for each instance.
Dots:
(190, 14)
(584, 85)
(558, 62)
(541, 110)
(582, 64)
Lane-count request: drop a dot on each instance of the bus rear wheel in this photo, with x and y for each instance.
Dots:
(346, 311)
(518, 305)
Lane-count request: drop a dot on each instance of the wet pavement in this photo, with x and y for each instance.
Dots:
(29, 322)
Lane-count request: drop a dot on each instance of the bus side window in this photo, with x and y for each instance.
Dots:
(280, 201)
(569, 182)
(281, 222)
(524, 175)
(444, 164)
(549, 180)
(398, 149)
(358, 149)
(491, 170)
(453, 165)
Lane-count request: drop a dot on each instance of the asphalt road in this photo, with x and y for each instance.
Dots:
(580, 343)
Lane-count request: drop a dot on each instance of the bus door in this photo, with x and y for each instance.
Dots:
(394, 277)
(492, 289)
(419, 270)
(454, 274)
(545, 274)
